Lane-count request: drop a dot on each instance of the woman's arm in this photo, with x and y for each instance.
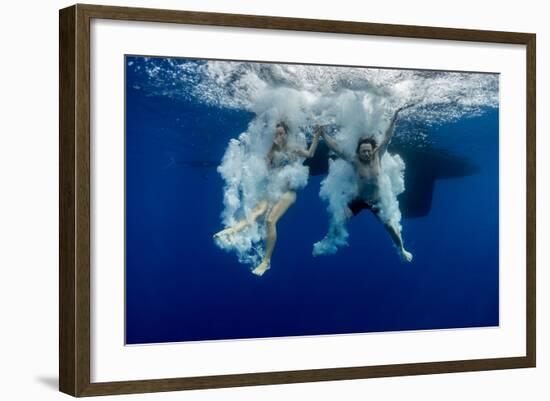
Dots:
(313, 147)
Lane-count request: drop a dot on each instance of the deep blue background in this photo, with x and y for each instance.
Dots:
(180, 286)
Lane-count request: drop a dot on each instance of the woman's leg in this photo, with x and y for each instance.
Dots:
(278, 210)
(259, 210)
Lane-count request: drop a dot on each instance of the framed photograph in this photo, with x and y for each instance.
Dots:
(250, 200)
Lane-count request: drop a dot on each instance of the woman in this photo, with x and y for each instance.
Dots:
(280, 155)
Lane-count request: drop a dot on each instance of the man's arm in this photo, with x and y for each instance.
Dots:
(335, 147)
(390, 130)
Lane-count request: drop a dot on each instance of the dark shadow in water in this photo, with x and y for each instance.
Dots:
(424, 165)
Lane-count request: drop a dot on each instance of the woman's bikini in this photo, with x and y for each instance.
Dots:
(279, 160)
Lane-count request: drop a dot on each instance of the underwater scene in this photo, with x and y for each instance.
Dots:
(274, 200)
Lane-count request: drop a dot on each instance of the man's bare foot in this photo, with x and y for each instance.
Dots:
(261, 268)
(406, 255)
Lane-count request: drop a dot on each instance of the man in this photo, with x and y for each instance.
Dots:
(367, 164)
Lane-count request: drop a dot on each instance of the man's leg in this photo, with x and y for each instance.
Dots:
(395, 235)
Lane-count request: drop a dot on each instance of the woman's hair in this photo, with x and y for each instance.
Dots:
(282, 124)
(369, 139)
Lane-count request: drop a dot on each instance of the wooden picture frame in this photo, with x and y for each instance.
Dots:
(74, 201)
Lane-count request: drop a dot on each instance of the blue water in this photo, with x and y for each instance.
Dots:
(181, 287)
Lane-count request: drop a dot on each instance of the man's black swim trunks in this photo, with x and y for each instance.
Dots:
(359, 204)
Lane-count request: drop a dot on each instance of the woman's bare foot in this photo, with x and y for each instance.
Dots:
(225, 237)
(261, 268)
(224, 233)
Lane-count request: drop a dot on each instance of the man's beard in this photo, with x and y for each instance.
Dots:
(365, 159)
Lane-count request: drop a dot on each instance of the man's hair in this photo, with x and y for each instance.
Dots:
(369, 139)
(282, 124)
